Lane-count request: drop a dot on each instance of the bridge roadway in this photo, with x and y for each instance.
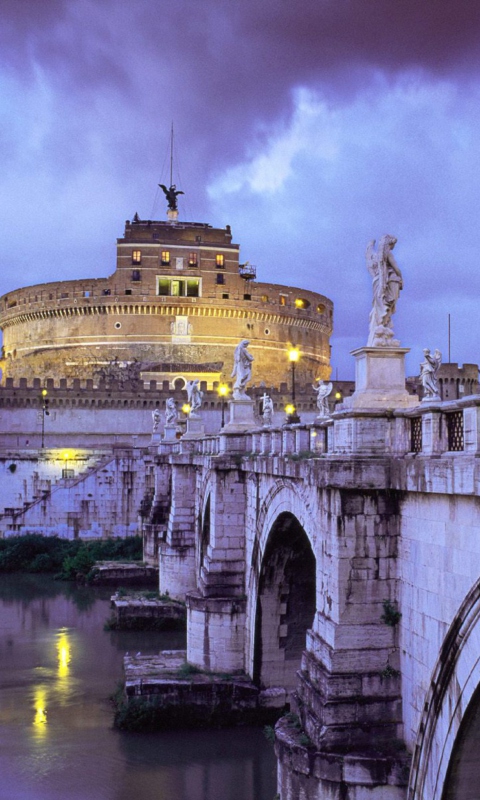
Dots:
(340, 561)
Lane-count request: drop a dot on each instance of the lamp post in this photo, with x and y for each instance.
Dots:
(223, 391)
(186, 409)
(291, 409)
(45, 413)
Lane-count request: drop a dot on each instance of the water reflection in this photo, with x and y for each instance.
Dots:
(40, 704)
(57, 668)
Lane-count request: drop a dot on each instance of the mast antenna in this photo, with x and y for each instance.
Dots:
(171, 156)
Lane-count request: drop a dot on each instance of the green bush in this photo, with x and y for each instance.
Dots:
(37, 553)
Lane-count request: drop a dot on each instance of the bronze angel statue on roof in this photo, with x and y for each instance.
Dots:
(171, 194)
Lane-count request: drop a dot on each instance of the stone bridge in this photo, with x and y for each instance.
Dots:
(340, 561)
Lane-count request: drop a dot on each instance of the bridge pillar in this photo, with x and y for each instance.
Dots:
(348, 699)
(216, 612)
(177, 554)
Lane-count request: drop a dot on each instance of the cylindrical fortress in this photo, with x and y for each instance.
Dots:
(176, 306)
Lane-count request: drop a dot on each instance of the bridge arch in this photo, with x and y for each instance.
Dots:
(452, 700)
(281, 608)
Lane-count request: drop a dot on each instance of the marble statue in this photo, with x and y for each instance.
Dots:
(428, 374)
(195, 397)
(171, 194)
(267, 410)
(171, 413)
(387, 283)
(156, 417)
(323, 390)
(242, 369)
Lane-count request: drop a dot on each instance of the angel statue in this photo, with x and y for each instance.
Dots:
(323, 390)
(387, 283)
(195, 397)
(267, 410)
(242, 369)
(428, 374)
(171, 194)
(171, 413)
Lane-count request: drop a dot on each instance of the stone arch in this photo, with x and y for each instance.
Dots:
(285, 507)
(206, 501)
(285, 606)
(455, 680)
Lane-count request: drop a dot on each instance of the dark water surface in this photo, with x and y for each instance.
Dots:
(57, 669)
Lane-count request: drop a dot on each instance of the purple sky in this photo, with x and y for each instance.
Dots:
(309, 127)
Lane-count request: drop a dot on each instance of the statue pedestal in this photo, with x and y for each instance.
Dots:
(195, 428)
(380, 379)
(241, 416)
(156, 438)
(172, 215)
(170, 433)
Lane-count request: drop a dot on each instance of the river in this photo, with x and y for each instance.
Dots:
(57, 669)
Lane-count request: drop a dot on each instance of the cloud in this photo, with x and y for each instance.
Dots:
(398, 159)
(314, 127)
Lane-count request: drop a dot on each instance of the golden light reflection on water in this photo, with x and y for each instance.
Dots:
(60, 686)
(63, 653)
(40, 705)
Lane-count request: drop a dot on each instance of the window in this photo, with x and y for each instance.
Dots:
(128, 291)
(225, 296)
(87, 293)
(264, 298)
(300, 302)
(193, 260)
(136, 275)
(163, 286)
(247, 296)
(321, 308)
(165, 258)
(220, 261)
(193, 288)
(172, 287)
(137, 257)
(283, 299)
(220, 278)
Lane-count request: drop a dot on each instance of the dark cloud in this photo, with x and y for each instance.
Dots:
(89, 88)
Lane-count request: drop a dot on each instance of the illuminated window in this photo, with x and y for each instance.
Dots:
(137, 257)
(163, 286)
(193, 260)
(264, 298)
(283, 300)
(193, 288)
(220, 260)
(168, 287)
(165, 258)
(220, 278)
(321, 308)
(300, 302)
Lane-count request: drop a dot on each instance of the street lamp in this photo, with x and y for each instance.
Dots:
(45, 413)
(186, 409)
(291, 409)
(223, 391)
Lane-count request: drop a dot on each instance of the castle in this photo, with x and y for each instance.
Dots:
(175, 308)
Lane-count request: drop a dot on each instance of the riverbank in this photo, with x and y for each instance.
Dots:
(65, 558)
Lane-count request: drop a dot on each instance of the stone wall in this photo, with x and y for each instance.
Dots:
(92, 494)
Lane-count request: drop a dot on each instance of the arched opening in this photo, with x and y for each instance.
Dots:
(205, 532)
(285, 604)
(463, 776)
